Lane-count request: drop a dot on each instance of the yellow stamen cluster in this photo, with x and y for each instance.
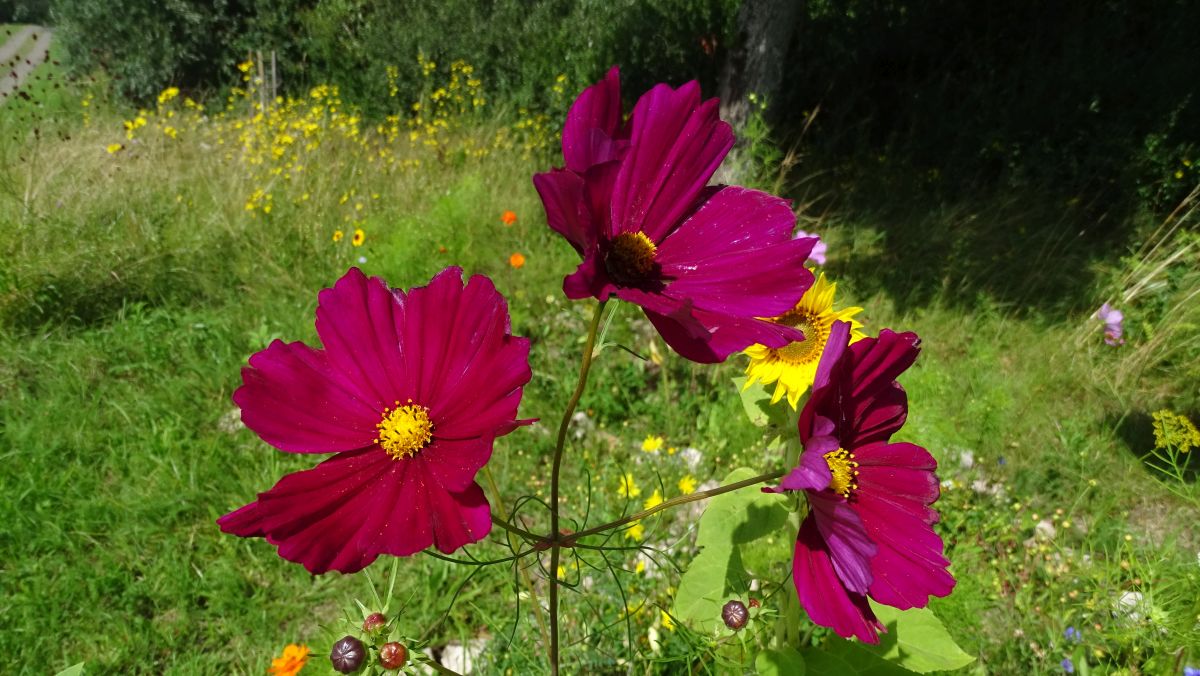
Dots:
(631, 258)
(816, 333)
(844, 468)
(404, 430)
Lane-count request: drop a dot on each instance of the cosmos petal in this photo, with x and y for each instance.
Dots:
(294, 399)
(676, 145)
(590, 132)
(850, 549)
(822, 594)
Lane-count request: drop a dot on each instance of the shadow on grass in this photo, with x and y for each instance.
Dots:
(1029, 253)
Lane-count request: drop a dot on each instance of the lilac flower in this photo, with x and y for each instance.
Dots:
(1112, 319)
(1067, 665)
(1072, 635)
(1191, 671)
(818, 253)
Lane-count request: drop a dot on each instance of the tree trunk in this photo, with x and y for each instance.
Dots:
(754, 64)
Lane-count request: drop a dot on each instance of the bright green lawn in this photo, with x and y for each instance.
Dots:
(133, 288)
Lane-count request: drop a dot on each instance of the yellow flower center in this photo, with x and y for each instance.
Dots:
(841, 464)
(404, 430)
(815, 334)
(631, 259)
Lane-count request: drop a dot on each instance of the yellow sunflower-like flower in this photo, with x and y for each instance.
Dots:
(794, 366)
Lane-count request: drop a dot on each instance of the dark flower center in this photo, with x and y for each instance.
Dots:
(631, 258)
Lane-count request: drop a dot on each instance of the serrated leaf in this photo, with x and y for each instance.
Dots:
(783, 662)
(839, 657)
(917, 640)
(735, 522)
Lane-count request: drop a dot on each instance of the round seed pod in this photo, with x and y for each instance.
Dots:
(735, 614)
(373, 622)
(393, 655)
(347, 655)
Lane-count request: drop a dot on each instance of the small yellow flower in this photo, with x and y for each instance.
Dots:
(168, 94)
(640, 567)
(628, 488)
(635, 532)
(653, 501)
(651, 444)
(338, 235)
(245, 66)
(687, 485)
(1172, 430)
(667, 622)
(290, 663)
(171, 131)
(561, 573)
(359, 237)
(114, 148)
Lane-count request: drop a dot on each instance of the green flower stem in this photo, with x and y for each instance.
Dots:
(513, 530)
(680, 500)
(555, 540)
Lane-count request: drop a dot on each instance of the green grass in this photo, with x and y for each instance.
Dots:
(134, 286)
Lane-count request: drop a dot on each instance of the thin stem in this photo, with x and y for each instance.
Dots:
(533, 538)
(681, 500)
(537, 605)
(584, 366)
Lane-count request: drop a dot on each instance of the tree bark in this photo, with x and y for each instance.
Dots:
(755, 61)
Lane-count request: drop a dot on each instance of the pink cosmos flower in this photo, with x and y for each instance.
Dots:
(869, 530)
(1113, 319)
(704, 262)
(818, 252)
(410, 391)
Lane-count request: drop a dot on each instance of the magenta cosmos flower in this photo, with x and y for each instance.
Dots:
(704, 262)
(410, 391)
(869, 530)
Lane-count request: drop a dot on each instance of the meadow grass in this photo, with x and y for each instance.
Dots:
(134, 285)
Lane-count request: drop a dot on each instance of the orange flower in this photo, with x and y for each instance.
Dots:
(290, 663)
(516, 260)
(508, 217)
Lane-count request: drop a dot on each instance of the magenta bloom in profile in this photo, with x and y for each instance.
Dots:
(704, 262)
(818, 251)
(1113, 320)
(410, 391)
(869, 530)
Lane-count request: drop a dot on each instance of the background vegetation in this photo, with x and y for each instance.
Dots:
(142, 262)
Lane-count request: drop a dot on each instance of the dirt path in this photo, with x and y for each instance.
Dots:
(14, 43)
(34, 56)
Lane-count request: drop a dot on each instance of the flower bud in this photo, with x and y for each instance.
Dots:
(735, 614)
(373, 622)
(393, 655)
(347, 655)
(754, 603)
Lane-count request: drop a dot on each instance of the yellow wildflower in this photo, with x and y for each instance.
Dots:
(687, 485)
(359, 237)
(628, 488)
(667, 622)
(653, 501)
(338, 235)
(1172, 430)
(168, 94)
(635, 532)
(114, 148)
(651, 443)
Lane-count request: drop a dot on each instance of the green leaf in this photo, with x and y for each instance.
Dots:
(839, 657)
(784, 662)
(73, 670)
(756, 400)
(917, 640)
(736, 525)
